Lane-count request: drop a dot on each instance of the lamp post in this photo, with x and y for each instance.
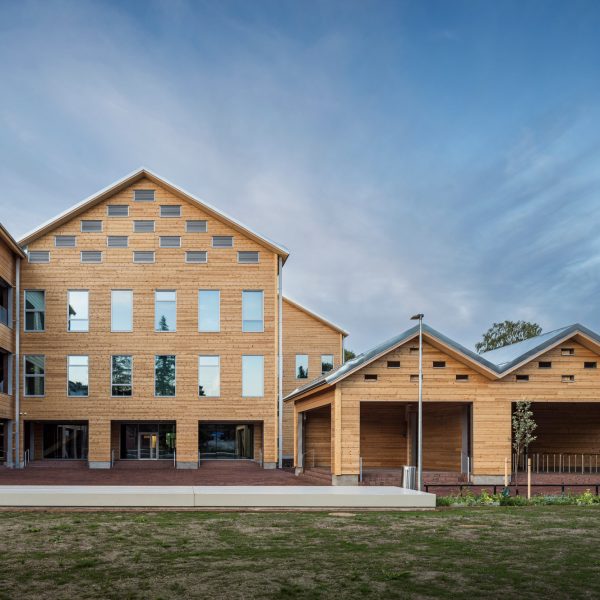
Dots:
(419, 317)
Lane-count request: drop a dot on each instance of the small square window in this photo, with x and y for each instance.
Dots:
(522, 377)
(414, 378)
(393, 364)
(590, 365)
(370, 377)
(460, 377)
(568, 378)
(567, 351)
(545, 364)
(414, 350)
(439, 364)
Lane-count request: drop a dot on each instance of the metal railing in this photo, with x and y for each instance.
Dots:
(198, 457)
(465, 464)
(547, 462)
(360, 469)
(3, 315)
(497, 487)
(175, 458)
(26, 458)
(112, 458)
(260, 458)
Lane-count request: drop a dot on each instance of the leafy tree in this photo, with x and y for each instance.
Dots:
(165, 376)
(506, 333)
(523, 427)
(348, 355)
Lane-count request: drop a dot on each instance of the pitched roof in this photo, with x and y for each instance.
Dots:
(10, 241)
(497, 362)
(131, 178)
(316, 316)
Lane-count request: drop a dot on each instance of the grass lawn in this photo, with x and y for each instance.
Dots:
(529, 552)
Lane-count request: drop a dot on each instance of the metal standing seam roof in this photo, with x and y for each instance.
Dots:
(498, 361)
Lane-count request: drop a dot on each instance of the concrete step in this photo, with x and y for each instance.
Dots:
(317, 475)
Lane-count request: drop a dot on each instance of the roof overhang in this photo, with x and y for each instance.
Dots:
(10, 241)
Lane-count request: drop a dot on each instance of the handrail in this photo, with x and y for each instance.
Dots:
(198, 457)
(175, 458)
(26, 458)
(557, 462)
(112, 458)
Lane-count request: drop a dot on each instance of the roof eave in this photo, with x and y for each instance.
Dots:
(11, 242)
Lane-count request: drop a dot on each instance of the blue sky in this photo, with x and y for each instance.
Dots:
(440, 157)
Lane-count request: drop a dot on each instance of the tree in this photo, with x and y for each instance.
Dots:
(523, 427)
(348, 355)
(506, 333)
(162, 323)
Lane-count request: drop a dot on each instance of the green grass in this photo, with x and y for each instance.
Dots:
(529, 552)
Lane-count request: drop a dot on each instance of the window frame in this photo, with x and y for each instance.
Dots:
(155, 303)
(109, 245)
(30, 310)
(26, 376)
(212, 241)
(218, 292)
(188, 221)
(108, 207)
(332, 363)
(241, 262)
(112, 312)
(112, 395)
(218, 366)
(64, 236)
(177, 216)
(143, 221)
(196, 262)
(69, 356)
(143, 262)
(175, 376)
(69, 316)
(262, 293)
(262, 394)
(38, 252)
(297, 366)
(93, 262)
(82, 221)
(173, 237)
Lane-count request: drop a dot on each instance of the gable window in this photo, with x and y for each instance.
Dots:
(590, 365)
(370, 377)
(78, 310)
(461, 377)
(301, 366)
(393, 364)
(38, 256)
(196, 227)
(439, 364)
(121, 310)
(209, 310)
(165, 310)
(91, 226)
(413, 350)
(91, 256)
(545, 364)
(326, 363)
(64, 241)
(143, 227)
(170, 241)
(209, 384)
(196, 257)
(143, 195)
(34, 374)
(117, 241)
(568, 378)
(414, 378)
(164, 375)
(253, 368)
(567, 351)
(121, 378)
(248, 258)
(521, 377)
(169, 210)
(222, 241)
(143, 256)
(35, 310)
(117, 210)
(78, 380)
(252, 311)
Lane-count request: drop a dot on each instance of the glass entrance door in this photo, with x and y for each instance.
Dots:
(147, 446)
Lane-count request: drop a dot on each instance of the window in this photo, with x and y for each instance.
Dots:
(164, 375)
(121, 378)
(143, 195)
(326, 363)
(222, 241)
(209, 384)
(196, 227)
(590, 365)
(38, 256)
(77, 367)
(6, 295)
(35, 373)
(544, 364)
(252, 311)
(170, 241)
(121, 310)
(413, 350)
(170, 211)
(568, 378)
(91, 226)
(5, 378)
(64, 241)
(78, 316)
(253, 368)
(567, 351)
(143, 256)
(370, 377)
(117, 241)
(439, 364)
(460, 377)
(196, 256)
(143, 227)
(522, 377)
(301, 366)
(414, 378)
(91, 256)
(209, 310)
(165, 310)
(117, 210)
(393, 364)
(248, 258)
(35, 310)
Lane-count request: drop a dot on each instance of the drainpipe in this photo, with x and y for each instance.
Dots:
(17, 362)
(280, 365)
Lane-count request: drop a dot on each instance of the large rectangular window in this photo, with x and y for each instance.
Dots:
(78, 380)
(164, 375)
(326, 363)
(35, 310)
(209, 376)
(252, 311)
(121, 375)
(209, 310)
(301, 366)
(78, 310)
(34, 373)
(121, 310)
(253, 375)
(165, 310)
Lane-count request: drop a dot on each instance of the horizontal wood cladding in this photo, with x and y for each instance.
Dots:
(317, 437)
(383, 434)
(7, 338)
(7, 263)
(443, 437)
(7, 407)
(169, 272)
(303, 334)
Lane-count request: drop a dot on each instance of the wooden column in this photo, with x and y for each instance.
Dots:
(186, 432)
(99, 444)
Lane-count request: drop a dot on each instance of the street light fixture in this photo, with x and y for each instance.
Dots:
(419, 317)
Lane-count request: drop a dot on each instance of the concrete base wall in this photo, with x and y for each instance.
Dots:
(344, 480)
(99, 464)
(186, 465)
(270, 465)
(487, 479)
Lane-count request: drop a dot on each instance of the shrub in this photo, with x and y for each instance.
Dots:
(587, 498)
